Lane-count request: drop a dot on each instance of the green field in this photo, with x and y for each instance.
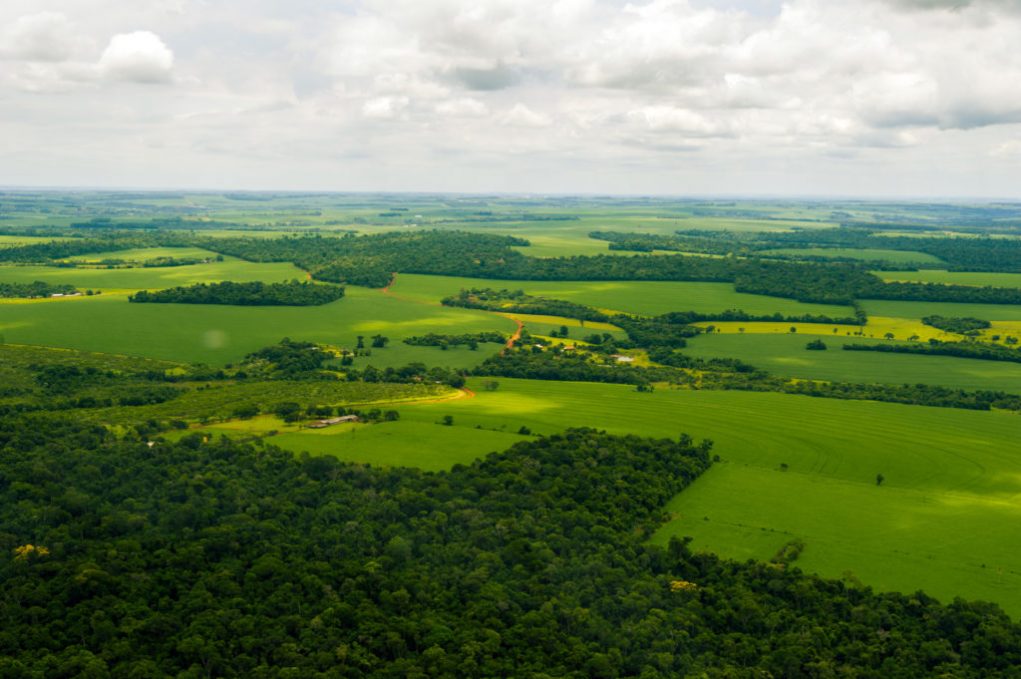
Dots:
(15, 241)
(976, 278)
(950, 503)
(143, 254)
(785, 355)
(866, 254)
(156, 277)
(641, 297)
(916, 310)
(216, 334)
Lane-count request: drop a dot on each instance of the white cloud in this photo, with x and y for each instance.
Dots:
(522, 116)
(139, 57)
(47, 36)
(464, 107)
(385, 108)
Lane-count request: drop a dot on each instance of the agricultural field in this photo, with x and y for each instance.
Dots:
(865, 254)
(976, 278)
(638, 297)
(950, 500)
(154, 277)
(138, 255)
(785, 355)
(216, 334)
(919, 310)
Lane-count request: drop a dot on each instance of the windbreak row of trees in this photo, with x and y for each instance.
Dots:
(255, 293)
(981, 351)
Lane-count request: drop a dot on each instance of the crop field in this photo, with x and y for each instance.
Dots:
(918, 310)
(14, 241)
(785, 355)
(950, 502)
(216, 334)
(143, 254)
(866, 254)
(153, 277)
(639, 297)
(877, 328)
(976, 278)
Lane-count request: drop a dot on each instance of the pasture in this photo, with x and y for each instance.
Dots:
(785, 355)
(144, 254)
(216, 334)
(865, 254)
(638, 297)
(918, 310)
(975, 278)
(950, 502)
(154, 277)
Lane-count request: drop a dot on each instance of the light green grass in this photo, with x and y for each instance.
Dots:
(425, 445)
(217, 334)
(917, 310)
(950, 503)
(156, 277)
(786, 355)
(16, 241)
(640, 297)
(143, 254)
(867, 254)
(976, 278)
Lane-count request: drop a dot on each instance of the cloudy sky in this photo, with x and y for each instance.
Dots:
(803, 97)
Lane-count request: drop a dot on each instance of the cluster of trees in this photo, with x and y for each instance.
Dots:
(411, 373)
(516, 301)
(686, 317)
(229, 559)
(255, 293)
(287, 360)
(472, 340)
(962, 326)
(561, 363)
(35, 289)
(934, 347)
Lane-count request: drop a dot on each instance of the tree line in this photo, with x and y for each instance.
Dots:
(255, 293)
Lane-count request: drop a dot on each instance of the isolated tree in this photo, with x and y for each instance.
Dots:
(379, 341)
(879, 479)
(888, 336)
(361, 342)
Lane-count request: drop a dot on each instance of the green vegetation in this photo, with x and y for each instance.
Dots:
(864, 254)
(637, 297)
(785, 355)
(35, 289)
(255, 293)
(961, 326)
(218, 335)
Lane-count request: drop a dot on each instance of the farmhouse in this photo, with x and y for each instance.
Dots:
(624, 359)
(322, 424)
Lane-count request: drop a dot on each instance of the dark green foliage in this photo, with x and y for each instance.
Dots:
(436, 340)
(220, 559)
(255, 293)
(686, 317)
(516, 301)
(816, 345)
(35, 289)
(962, 326)
(286, 360)
(985, 352)
(556, 363)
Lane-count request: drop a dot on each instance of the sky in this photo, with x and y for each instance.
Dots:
(883, 98)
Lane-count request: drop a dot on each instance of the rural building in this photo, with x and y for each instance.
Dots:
(624, 359)
(322, 424)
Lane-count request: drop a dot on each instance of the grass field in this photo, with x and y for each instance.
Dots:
(643, 297)
(866, 254)
(153, 278)
(877, 328)
(950, 503)
(216, 334)
(976, 278)
(785, 355)
(14, 241)
(143, 254)
(918, 310)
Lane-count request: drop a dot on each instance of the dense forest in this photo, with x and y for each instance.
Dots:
(223, 559)
(256, 293)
